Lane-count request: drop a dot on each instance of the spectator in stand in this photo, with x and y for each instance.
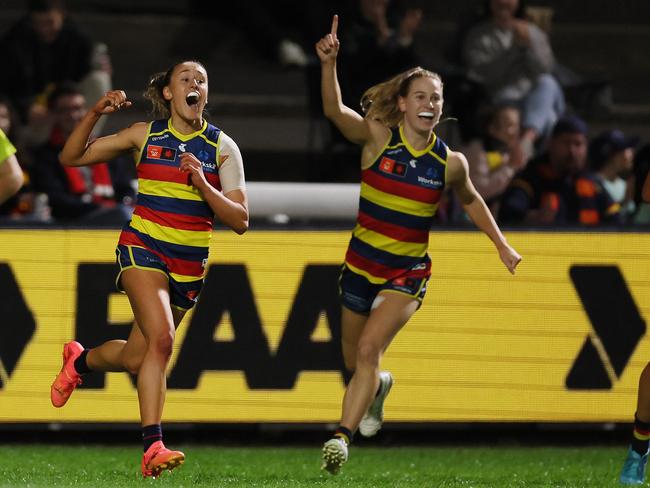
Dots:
(512, 59)
(79, 195)
(555, 188)
(496, 156)
(45, 48)
(611, 155)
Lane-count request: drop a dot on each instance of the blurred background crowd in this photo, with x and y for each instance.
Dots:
(548, 100)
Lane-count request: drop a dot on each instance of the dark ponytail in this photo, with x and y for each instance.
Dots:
(154, 93)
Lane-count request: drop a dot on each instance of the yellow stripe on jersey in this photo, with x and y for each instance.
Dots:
(217, 154)
(185, 137)
(416, 153)
(212, 143)
(168, 234)
(385, 243)
(400, 204)
(443, 161)
(169, 189)
(376, 280)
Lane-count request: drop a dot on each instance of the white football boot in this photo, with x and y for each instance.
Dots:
(335, 454)
(374, 417)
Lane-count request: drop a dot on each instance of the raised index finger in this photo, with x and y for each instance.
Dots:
(335, 25)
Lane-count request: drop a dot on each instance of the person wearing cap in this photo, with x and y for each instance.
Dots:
(611, 155)
(556, 188)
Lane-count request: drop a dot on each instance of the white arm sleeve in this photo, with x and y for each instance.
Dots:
(231, 170)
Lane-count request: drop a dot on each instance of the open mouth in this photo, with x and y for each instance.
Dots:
(426, 115)
(192, 98)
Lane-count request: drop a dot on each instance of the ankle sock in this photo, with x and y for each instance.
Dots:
(80, 365)
(151, 434)
(344, 433)
(640, 436)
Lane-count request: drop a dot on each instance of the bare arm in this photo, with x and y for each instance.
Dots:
(458, 175)
(351, 124)
(78, 152)
(11, 178)
(230, 208)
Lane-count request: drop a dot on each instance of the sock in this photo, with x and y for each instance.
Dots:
(640, 436)
(151, 434)
(80, 364)
(344, 433)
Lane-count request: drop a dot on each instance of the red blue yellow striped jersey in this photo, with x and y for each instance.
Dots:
(171, 218)
(400, 193)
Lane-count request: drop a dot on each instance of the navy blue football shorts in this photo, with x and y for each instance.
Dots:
(358, 293)
(182, 295)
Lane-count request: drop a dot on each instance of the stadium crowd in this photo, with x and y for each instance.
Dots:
(531, 152)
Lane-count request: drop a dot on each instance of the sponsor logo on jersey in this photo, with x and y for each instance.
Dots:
(387, 165)
(168, 154)
(429, 182)
(160, 152)
(392, 167)
(154, 152)
(203, 155)
(431, 178)
(160, 138)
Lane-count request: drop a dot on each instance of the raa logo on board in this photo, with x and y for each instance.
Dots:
(19, 321)
(617, 327)
(228, 290)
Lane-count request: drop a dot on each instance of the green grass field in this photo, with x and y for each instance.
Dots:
(371, 467)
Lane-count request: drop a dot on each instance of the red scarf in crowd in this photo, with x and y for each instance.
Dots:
(101, 188)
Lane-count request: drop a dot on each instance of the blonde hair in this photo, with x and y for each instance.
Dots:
(160, 107)
(380, 102)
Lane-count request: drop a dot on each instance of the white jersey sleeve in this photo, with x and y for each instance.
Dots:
(231, 168)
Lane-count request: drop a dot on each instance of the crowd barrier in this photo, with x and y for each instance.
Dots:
(561, 341)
